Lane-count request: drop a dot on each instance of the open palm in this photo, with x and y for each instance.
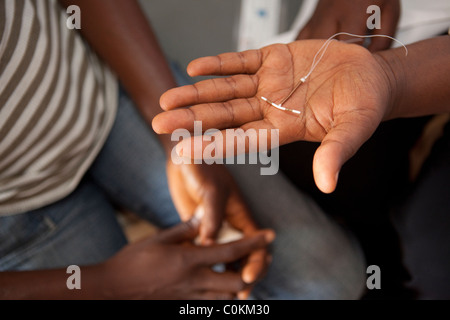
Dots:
(341, 103)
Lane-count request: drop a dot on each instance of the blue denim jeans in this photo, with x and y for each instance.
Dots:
(313, 257)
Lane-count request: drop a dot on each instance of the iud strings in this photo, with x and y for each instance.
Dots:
(316, 61)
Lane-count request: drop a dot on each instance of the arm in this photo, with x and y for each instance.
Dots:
(161, 267)
(419, 81)
(120, 34)
(49, 284)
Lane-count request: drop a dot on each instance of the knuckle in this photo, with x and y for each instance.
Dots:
(230, 112)
(190, 114)
(242, 60)
(220, 62)
(196, 89)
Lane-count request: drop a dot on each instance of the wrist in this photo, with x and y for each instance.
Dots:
(394, 77)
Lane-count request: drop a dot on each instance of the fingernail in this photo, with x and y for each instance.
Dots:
(269, 236)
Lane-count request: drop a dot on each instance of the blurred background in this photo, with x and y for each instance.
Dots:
(195, 28)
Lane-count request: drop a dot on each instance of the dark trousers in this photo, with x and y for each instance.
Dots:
(370, 184)
(423, 223)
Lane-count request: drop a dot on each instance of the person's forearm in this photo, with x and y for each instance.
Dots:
(121, 35)
(51, 285)
(419, 81)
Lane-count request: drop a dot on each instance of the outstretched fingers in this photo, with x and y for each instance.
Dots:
(212, 90)
(246, 62)
(253, 137)
(243, 83)
(230, 114)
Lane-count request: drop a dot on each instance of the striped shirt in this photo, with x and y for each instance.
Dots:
(57, 105)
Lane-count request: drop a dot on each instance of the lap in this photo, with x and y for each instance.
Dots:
(424, 226)
(130, 172)
(131, 168)
(80, 229)
(308, 243)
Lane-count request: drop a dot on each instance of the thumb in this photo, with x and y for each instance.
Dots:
(338, 146)
(185, 231)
